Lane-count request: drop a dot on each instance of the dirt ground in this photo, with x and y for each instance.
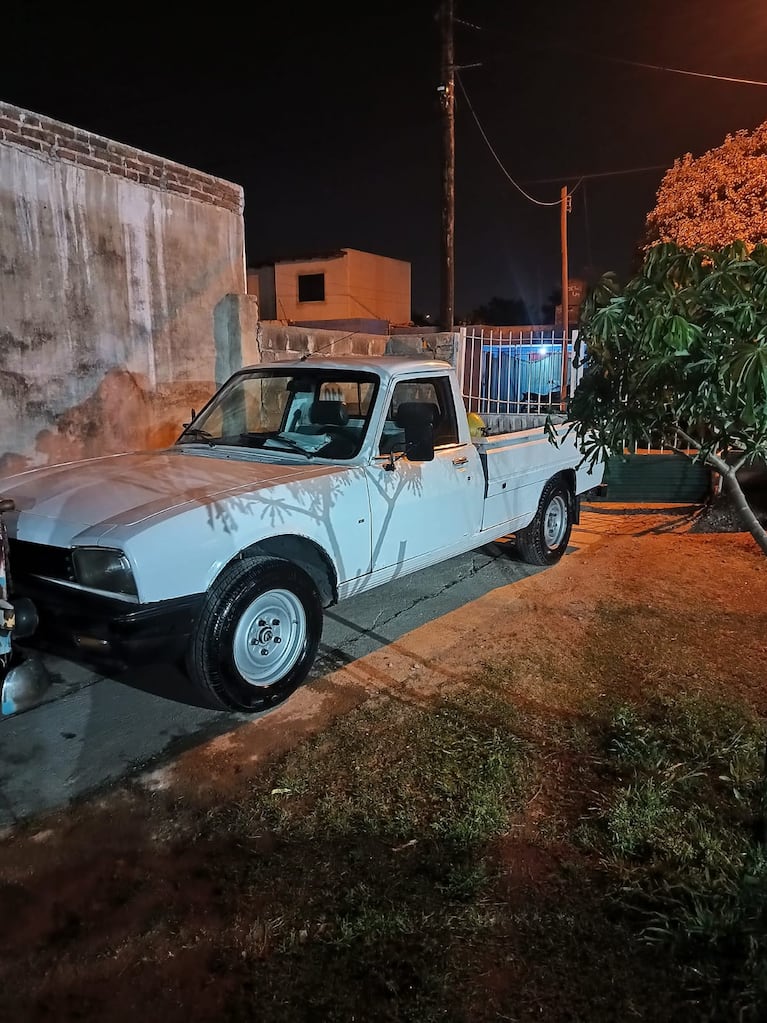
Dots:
(105, 907)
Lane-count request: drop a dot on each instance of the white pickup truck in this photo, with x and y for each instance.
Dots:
(299, 484)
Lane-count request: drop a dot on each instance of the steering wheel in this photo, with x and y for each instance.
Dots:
(341, 445)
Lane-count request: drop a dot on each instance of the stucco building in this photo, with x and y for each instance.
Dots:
(342, 289)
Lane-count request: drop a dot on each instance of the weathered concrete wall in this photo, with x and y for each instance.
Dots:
(273, 342)
(115, 272)
(444, 345)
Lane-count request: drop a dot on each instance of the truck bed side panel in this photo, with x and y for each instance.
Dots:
(517, 466)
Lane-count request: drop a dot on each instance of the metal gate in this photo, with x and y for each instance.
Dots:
(517, 370)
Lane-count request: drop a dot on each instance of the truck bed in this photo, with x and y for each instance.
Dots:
(506, 422)
(516, 464)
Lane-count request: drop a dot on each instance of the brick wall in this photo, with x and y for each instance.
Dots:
(38, 134)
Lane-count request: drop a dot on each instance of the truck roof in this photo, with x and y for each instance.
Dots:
(386, 366)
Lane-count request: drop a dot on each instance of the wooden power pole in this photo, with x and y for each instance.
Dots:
(447, 94)
(564, 208)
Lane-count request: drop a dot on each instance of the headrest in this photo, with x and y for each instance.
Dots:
(417, 412)
(329, 413)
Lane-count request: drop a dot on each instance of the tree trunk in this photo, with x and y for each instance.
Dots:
(755, 528)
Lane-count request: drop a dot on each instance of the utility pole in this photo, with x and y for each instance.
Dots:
(563, 211)
(447, 95)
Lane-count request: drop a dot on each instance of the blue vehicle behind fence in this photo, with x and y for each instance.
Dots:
(522, 374)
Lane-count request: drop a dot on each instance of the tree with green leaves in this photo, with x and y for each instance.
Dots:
(679, 356)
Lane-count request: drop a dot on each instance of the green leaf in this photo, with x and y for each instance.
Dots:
(747, 367)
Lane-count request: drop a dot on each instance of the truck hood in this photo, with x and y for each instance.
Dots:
(58, 503)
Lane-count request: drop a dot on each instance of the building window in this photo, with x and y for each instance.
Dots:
(311, 287)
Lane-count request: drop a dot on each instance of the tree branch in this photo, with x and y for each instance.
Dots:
(690, 440)
(718, 463)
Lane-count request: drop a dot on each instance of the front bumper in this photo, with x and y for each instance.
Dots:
(108, 632)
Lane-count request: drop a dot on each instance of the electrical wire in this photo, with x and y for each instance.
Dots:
(519, 188)
(679, 71)
(549, 45)
(598, 174)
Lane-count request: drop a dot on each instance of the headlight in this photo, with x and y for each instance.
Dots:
(99, 568)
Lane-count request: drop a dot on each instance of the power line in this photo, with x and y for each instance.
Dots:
(598, 174)
(680, 71)
(548, 45)
(467, 24)
(519, 188)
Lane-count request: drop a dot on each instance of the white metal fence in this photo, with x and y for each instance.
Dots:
(517, 371)
(511, 371)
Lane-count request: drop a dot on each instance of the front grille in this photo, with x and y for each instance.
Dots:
(28, 559)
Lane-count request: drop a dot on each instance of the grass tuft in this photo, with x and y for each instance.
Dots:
(678, 829)
(453, 772)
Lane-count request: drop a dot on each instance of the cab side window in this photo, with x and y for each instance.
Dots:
(435, 391)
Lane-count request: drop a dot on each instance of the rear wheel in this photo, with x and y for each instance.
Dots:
(257, 635)
(545, 540)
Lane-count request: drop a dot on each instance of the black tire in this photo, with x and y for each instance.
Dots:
(257, 635)
(545, 540)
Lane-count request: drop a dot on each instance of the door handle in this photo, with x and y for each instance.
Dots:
(460, 461)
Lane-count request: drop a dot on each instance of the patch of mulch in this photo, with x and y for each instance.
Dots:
(720, 515)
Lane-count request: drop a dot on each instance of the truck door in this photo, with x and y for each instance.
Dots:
(419, 508)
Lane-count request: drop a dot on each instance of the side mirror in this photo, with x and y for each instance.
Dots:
(417, 420)
(419, 443)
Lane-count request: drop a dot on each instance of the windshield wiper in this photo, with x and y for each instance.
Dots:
(196, 433)
(277, 442)
(282, 443)
(256, 438)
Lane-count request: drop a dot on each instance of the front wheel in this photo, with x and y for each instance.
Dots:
(545, 540)
(257, 635)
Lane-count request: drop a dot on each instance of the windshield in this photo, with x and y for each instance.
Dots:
(314, 413)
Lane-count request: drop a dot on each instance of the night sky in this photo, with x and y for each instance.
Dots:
(329, 118)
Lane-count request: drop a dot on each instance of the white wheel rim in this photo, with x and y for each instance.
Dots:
(555, 523)
(270, 637)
